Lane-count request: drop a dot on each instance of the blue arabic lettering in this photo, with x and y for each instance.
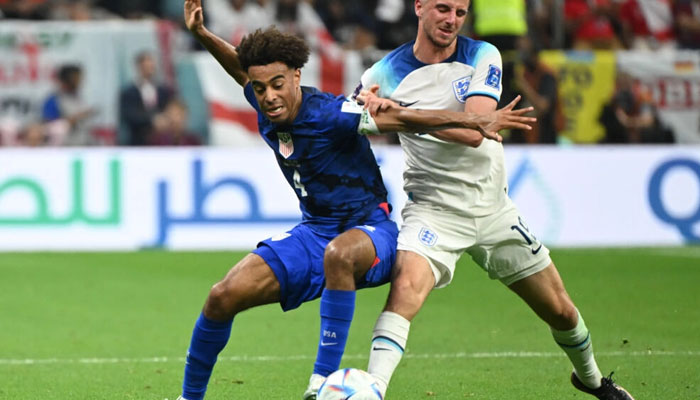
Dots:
(684, 224)
(200, 192)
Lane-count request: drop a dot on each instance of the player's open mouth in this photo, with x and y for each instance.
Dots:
(444, 31)
(274, 112)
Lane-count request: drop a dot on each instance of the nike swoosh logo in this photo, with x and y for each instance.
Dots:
(381, 348)
(328, 343)
(537, 250)
(402, 104)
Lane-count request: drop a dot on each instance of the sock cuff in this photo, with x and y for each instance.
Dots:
(210, 327)
(392, 326)
(576, 337)
(338, 304)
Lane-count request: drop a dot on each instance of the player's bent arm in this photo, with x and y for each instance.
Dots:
(486, 123)
(224, 52)
(413, 120)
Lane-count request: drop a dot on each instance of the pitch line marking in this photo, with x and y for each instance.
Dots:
(505, 354)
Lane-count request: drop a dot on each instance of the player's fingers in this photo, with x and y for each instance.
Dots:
(524, 120)
(513, 103)
(375, 107)
(374, 88)
(518, 125)
(522, 111)
(493, 135)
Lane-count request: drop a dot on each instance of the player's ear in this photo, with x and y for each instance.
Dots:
(417, 5)
(297, 77)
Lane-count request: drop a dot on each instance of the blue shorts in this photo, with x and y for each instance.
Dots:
(296, 258)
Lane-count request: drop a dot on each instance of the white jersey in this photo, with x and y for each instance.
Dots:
(448, 176)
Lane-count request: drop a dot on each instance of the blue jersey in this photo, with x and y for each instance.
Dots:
(325, 160)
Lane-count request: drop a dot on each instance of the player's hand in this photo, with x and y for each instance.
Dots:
(194, 16)
(505, 118)
(372, 102)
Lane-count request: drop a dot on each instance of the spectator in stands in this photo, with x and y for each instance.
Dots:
(132, 9)
(233, 19)
(349, 23)
(686, 14)
(591, 24)
(501, 23)
(537, 84)
(647, 25)
(396, 22)
(79, 10)
(24, 9)
(33, 135)
(66, 109)
(174, 131)
(631, 116)
(299, 18)
(541, 18)
(142, 102)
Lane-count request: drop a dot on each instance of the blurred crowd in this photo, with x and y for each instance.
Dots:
(152, 113)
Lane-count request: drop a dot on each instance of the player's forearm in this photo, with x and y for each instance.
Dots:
(432, 120)
(467, 137)
(224, 53)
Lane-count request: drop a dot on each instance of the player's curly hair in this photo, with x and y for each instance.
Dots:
(267, 46)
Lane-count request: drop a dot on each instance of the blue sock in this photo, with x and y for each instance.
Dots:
(337, 308)
(208, 339)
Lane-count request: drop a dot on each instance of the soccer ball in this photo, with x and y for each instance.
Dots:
(349, 383)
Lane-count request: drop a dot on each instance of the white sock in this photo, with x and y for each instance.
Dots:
(577, 344)
(388, 343)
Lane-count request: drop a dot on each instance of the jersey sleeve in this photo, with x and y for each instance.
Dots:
(250, 96)
(346, 115)
(488, 73)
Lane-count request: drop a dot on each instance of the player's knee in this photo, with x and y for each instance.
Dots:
(222, 303)
(564, 316)
(338, 260)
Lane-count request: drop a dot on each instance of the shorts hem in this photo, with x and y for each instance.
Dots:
(520, 275)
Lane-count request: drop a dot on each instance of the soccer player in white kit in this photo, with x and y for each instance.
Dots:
(457, 197)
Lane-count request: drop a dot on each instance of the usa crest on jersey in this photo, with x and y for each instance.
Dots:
(286, 146)
(460, 88)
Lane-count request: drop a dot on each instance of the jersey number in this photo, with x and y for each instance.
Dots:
(531, 240)
(298, 184)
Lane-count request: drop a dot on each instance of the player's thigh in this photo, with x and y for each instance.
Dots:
(382, 234)
(506, 248)
(296, 259)
(411, 283)
(438, 237)
(250, 283)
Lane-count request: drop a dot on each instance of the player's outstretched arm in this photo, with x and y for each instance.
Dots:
(400, 119)
(386, 113)
(223, 52)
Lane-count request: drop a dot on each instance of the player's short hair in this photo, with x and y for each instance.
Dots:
(267, 46)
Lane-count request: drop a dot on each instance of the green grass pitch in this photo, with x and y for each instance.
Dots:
(117, 326)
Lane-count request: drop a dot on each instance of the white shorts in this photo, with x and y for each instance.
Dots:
(500, 243)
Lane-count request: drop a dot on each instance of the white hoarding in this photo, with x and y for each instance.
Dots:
(127, 199)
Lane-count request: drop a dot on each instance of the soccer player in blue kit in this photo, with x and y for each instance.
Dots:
(346, 240)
